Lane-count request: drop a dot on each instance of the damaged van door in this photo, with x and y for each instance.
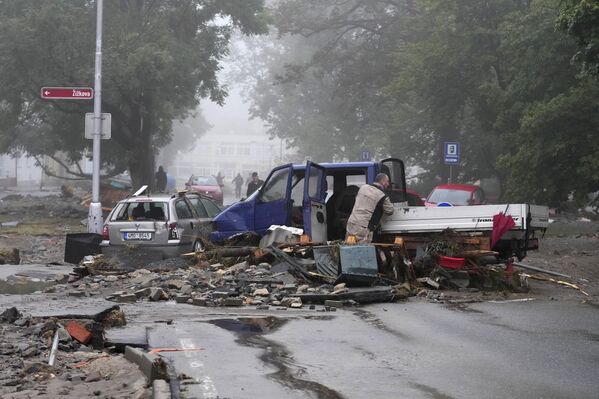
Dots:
(273, 203)
(314, 207)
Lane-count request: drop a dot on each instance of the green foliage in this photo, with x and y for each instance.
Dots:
(580, 19)
(556, 148)
(159, 59)
(402, 77)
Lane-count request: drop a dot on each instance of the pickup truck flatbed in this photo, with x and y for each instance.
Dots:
(419, 224)
(463, 218)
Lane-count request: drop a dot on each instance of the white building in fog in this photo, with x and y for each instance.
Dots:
(19, 171)
(234, 144)
(229, 154)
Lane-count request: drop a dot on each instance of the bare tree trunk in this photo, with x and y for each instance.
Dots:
(141, 158)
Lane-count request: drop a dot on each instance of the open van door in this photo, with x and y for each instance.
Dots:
(394, 168)
(273, 203)
(315, 211)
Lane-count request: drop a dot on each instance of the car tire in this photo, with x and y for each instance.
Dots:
(198, 246)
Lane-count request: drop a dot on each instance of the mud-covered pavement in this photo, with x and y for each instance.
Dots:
(440, 344)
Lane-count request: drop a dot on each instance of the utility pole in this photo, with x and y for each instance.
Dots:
(94, 219)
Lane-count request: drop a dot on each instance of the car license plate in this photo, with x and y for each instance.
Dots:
(138, 236)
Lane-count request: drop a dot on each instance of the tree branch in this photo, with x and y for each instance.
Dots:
(50, 172)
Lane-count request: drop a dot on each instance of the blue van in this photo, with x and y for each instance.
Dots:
(317, 198)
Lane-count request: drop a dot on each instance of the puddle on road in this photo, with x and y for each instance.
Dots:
(24, 286)
(249, 325)
(250, 332)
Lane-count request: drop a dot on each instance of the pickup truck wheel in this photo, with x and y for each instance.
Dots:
(198, 246)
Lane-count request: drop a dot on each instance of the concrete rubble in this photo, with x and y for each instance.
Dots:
(81, 365)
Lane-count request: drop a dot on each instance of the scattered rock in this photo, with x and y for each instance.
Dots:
(115, 318)
(291, 302)
(126, 298)
(93, 376)
(157, 294)
(261, 292)
(174, 284)
(199, 301)
(182, 298)
(234, 302)
(10, 315)
(143, 293)
(9, 256)
(33, 351)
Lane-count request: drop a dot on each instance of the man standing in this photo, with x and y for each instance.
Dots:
(160, 177)
(254, 184)
(238, 181)
(371, 203)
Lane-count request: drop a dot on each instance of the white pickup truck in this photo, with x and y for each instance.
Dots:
(475, 221)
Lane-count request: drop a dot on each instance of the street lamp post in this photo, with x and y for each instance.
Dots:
(94, 219)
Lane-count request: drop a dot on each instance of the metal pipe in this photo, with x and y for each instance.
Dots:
(538, 269)
(54, 348)
(94, 222)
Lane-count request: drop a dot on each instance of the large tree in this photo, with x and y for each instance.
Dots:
(402, 77)
(580, 19)
(160, 58)
(396, 77)
(549, 116)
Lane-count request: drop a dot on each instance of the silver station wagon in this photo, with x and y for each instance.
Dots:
(169, 224)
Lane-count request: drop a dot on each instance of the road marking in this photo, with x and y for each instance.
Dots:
(204, 381)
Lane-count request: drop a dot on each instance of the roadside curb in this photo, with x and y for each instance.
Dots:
(161, 390)
(153, 367)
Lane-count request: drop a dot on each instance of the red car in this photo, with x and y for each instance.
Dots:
(206, 185)
(456, 195)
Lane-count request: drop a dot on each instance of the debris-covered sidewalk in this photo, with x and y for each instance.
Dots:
(64, 356)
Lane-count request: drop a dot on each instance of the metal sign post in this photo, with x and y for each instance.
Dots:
(94, 219)
(451, 156)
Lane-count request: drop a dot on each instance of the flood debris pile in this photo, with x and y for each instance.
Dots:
(49, 356)
(294, 275)
(453, 263)
(231, 283)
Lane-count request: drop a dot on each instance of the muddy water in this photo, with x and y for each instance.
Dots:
(251, 332)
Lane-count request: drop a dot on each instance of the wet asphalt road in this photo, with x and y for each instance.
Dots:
(527, 349)
(535, 349)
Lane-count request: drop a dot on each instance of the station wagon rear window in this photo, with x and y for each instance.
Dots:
(146, 210)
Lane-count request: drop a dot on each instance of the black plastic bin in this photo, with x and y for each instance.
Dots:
(79, 245)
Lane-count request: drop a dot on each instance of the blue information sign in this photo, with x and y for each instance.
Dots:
(451, 153)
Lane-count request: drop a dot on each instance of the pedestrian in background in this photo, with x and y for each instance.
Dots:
(254, 184)
(238, 181)
(160, 178)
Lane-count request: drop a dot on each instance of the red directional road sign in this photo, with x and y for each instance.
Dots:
(67, 93)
